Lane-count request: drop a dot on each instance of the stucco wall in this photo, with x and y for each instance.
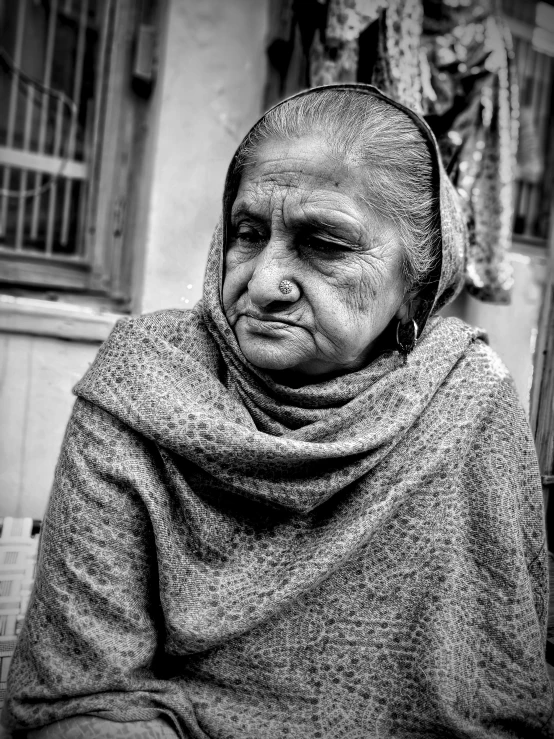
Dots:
(36, 377)
(210, 88)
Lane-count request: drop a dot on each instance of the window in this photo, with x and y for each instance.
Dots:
(532, 27)
(66, 129)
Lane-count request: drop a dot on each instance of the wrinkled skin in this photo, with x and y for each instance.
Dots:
(300, 215)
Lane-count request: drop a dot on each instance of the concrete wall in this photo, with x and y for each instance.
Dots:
(211, 91)
(36, 377)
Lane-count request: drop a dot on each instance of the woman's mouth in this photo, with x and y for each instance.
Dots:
(266, 324)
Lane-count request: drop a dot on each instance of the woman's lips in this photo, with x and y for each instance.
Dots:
(266, 324)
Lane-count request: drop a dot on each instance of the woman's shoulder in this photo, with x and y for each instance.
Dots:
(172, 325)
(147, 357)
(480, 369)
(158, 333)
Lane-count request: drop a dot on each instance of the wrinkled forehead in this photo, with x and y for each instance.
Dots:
(303, 161)
(303, 173)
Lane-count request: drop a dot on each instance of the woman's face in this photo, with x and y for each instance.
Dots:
(300, 216)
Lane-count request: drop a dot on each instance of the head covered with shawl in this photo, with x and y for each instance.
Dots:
(323, 498)
(336, 176)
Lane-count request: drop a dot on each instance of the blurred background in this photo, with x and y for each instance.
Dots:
(118, 121)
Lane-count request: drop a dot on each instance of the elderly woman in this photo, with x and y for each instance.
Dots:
(309, 507)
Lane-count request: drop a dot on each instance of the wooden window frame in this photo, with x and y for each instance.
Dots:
(103, 267)
(522, 32)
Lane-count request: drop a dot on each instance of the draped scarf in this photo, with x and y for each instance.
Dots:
(359, 557)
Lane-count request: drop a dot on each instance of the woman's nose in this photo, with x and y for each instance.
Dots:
(273, 279)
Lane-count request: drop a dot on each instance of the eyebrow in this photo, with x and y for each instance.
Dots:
(311, 217)
(245, 210)
(333, 223)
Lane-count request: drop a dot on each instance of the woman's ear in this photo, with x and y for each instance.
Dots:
(409, 306)
(406, 325)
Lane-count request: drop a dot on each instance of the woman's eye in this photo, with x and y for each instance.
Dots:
(247, 235)
(324, 247)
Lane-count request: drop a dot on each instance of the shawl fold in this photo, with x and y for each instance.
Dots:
(372, 566)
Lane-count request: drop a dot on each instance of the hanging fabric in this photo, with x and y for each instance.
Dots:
(454, 64)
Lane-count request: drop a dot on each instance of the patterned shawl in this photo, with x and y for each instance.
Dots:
(362, 557)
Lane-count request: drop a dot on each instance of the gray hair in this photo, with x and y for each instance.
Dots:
(367, 130)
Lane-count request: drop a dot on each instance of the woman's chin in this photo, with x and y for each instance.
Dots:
(269, 345)
(292, 369)
(270, 358)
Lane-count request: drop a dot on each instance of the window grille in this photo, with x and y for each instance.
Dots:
(5, 623)
(535, 71)
(64, 83)
(56, 42)
(5, 588)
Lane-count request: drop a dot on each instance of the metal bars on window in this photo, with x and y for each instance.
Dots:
(48, 79)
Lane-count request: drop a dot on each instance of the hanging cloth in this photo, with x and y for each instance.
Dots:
(455, 66)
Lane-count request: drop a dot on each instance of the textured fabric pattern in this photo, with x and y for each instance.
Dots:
(98, 728)
(362, 557)
(364, 560)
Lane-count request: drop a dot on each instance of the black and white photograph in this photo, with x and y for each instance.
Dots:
(276, 369)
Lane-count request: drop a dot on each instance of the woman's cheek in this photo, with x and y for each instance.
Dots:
(229, 297)
(333, 317)
(354, 289)
(235, 282)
